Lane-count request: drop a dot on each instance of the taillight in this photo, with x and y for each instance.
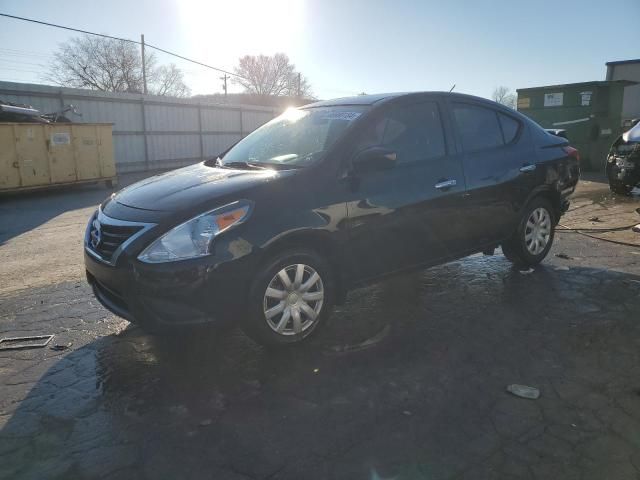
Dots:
(572, 152)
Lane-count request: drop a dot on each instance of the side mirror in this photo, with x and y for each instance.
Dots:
(374, 159)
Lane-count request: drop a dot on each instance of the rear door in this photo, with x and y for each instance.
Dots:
(408, 214)
(497, 161)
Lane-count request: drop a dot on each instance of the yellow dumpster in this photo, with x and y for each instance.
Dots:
(34, 155)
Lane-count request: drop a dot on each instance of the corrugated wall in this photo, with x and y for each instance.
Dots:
(149, 132)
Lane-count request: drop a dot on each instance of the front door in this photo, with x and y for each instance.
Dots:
(407, 214)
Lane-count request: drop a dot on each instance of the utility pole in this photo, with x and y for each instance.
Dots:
(144, 66)
(224, 85)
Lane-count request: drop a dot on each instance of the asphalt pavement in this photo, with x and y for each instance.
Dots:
(408, 381)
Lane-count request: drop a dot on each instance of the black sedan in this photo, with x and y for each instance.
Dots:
(322, 199)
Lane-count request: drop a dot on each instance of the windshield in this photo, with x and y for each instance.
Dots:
(294, 139)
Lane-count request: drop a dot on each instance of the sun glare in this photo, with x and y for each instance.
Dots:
(220, 32)
(293, 114)
(231, 29)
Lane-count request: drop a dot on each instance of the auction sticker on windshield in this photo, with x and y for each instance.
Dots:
(349, 116)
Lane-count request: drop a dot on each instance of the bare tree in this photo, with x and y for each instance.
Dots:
(168, 80)
(112, 65)
(504, 96)
(271, 75)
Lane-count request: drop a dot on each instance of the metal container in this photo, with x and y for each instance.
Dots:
(590, 112)
(41, 155)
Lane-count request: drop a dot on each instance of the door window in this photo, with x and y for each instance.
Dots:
(478, 127)
(414, 132)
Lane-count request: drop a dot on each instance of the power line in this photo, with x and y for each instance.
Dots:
(11, 60)
(48, 24)
(120, 39)
(195, 61)
(16, 80)
(13, 51)
(21, 70)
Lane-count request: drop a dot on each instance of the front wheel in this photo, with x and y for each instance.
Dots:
(533, 238)
(289, 299)
(615, 185)
(620, 188)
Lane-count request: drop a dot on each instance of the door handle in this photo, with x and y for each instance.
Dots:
(527, 168)
(445, 184)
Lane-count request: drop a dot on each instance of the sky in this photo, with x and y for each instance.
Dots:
(345, 47)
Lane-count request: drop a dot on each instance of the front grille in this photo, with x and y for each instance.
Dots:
(113, 237)
(104, 239)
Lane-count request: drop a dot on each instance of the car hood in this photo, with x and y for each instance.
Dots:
(632, 135)
(190, 186)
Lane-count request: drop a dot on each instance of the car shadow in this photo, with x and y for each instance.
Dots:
(406, 378)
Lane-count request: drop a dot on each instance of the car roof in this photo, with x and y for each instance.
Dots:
(385, 97)
(357, 100)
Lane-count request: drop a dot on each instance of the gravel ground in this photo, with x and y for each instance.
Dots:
(407, 381)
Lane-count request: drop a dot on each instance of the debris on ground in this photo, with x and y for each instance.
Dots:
(23, 343)
(527, 272)
(368, 343)
(206, 422)
(594, 219)
(562, 267)
(636, 228)
(523, 391)
(58, 347)
(563, 256)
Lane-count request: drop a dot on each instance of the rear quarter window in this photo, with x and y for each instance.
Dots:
(478, 127)
(510, 127)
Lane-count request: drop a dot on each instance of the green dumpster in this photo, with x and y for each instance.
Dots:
(590, 112)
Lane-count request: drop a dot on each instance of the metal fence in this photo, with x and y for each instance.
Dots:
(149, 132)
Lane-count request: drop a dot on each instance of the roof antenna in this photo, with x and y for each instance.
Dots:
(454, 86)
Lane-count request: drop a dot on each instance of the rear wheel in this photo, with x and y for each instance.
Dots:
(289, 299)
(533, 238)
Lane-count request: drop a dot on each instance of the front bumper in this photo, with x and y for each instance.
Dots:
(175, 294)
(624, 170)
(153, 299)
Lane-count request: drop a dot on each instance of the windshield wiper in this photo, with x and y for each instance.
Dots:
(247, 165)
(281, 166)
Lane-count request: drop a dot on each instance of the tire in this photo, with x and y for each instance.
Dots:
(521, 248)
(620, 188)
(297, 325)
(615, 185)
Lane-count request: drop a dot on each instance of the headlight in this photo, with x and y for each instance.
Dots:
(624, 163)
(193, 238)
